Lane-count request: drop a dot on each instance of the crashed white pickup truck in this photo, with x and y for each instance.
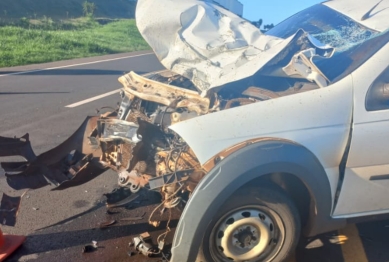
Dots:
(258, 137)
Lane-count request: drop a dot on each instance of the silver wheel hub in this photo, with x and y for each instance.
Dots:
(244, 235)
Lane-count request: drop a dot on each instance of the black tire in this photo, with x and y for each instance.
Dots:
(270, 199)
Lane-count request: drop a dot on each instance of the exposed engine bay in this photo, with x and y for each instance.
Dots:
(139, 144)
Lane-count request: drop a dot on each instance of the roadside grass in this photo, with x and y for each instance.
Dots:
(46, 41)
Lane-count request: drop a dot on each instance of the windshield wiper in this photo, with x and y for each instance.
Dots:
(368, 14)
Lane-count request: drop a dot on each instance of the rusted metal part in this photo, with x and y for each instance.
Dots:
(169, 161)
(168, 179)
(154, 91)
(225, 153)
(72, 163)
(173, 79)
(134, 180)
(107, 223)
(17, 147)
(194, 179)
(9, 209)
(133, 218)
(124, 151)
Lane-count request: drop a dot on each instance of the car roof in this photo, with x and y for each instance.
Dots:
(373, 14)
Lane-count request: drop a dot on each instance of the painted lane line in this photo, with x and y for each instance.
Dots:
(352, 248)
(66, 66)
(93, 99)
(106, 94)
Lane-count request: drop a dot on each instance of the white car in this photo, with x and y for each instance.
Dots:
(258, 137)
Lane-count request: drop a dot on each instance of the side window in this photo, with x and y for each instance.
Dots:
(377, 97)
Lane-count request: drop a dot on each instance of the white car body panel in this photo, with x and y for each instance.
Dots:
(323, 129)
(208, 44)
(377, 19)
(214, 47)
(369, 151)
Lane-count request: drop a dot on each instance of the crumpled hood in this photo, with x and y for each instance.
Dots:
(210, 45)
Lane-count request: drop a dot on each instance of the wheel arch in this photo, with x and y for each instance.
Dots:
(249, 165)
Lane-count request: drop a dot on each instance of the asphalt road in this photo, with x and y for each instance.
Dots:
(50, 101)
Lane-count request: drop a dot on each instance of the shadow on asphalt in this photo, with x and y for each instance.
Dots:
(49, 242)
(70, 239)
(322, 248)
(72, 218)
(146, 199)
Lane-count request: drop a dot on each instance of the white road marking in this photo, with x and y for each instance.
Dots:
(104, 95)
(93, 99)
(66, 66)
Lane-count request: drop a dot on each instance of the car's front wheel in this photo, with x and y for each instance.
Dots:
(255, 224)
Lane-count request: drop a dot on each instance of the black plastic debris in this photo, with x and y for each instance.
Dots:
(110, 212)
(9, 209)
(119, 197)
(90, 248)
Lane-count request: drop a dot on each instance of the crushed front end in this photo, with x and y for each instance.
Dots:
(141, 148)
(215, 68)
(134, 140)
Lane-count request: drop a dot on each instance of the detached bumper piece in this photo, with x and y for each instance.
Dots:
(72, 163)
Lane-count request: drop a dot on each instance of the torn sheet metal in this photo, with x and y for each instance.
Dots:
(167, 95)
(212, 46)
(72, 163)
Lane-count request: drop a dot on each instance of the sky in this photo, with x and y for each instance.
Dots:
(274, 11)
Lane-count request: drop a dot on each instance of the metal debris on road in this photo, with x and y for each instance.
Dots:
(133, 218)
(90, 248)
(155, 223)
(120, 197)
(70, 164)
(107, 223)
(123, 202)
(9, 209)
(110, 212)
(145, 248)
(145, 236)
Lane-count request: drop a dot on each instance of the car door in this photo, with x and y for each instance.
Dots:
(365, 186)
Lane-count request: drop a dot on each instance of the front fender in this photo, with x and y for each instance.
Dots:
(230, 174)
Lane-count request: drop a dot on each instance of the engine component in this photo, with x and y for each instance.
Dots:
(144, 248)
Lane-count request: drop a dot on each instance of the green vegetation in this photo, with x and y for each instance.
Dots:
(89, 8)
(65, 9)
(38, 41)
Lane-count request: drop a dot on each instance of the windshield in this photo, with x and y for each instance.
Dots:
(332, 28)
